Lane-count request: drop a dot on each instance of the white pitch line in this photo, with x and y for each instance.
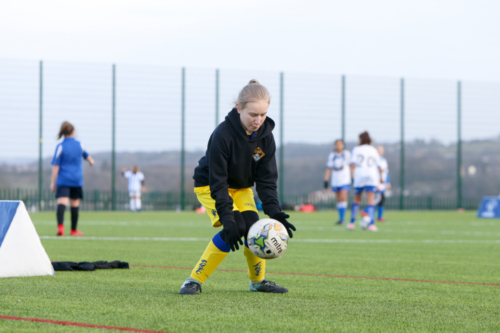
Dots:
(425, 241)
(409, 231)
(124, 222)
(298, 223)
(442, 232)
(170, 224)
(140, 239)
(191, 224)
(172, 239)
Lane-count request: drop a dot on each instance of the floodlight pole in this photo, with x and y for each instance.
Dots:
(282, 165)
(183, 153)
(343, 109)
(216, 97)
(113, 141)
(402, 148)
(459, 144)
(40, 141)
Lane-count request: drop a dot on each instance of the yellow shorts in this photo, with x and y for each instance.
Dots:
(242, 201)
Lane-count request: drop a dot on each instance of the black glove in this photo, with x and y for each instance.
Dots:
(325, 184)
(282, 216)
(231, 235)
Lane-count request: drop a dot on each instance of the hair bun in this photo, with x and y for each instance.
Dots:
(252, 92)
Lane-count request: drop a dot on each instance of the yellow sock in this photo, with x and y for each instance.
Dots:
(209, 261)
(256, 266)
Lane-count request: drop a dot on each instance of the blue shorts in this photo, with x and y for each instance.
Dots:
(340, 188)
(358, 190)
(69, 192)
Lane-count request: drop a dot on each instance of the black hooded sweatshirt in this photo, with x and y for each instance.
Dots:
(235, 160)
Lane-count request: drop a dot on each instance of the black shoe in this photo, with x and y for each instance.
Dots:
(340, 222)
(267, 287)
(190, 288)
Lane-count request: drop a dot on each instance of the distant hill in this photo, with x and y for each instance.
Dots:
(430, 169)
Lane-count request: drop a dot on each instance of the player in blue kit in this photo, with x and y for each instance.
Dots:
(67, 177)
(337, 168)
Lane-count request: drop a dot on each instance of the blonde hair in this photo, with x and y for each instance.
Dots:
(252, 92)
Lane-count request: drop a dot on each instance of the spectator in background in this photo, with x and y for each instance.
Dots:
(135, 187)
(67, 177)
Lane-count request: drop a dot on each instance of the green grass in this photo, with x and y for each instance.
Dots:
(444, 246)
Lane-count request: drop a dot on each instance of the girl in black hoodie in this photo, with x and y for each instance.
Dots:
(240, 153)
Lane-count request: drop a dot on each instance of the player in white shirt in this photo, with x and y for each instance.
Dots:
(337, 169)
(366, 172)
(380, 197)
(135, 187)
(380, 194)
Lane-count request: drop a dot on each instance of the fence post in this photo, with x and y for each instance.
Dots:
(113, 142)
(282, 148)
(40, 141)
(216, 97)
(183, 157)
(402, 148)
(459, 144)
(343, 109)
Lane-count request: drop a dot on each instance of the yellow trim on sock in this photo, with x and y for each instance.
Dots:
(256, 266)
(209, 261)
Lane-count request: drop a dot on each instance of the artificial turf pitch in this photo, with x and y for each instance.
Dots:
(328, 293)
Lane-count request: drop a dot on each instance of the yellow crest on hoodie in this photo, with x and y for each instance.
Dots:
(258, 154)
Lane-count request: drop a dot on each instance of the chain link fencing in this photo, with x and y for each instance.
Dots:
(441, 137)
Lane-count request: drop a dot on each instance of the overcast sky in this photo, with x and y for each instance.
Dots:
(452, 39)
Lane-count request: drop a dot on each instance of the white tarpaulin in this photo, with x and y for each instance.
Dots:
(21, 252)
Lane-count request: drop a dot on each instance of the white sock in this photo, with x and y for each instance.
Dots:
(138, 204)
(342, 204)
(132, 205)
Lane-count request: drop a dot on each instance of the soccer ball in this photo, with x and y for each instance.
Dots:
(365, 222)
(267, 239)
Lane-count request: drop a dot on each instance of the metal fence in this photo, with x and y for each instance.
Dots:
(441, 136)
(103, 200)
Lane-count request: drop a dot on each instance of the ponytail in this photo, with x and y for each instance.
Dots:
(66, 130)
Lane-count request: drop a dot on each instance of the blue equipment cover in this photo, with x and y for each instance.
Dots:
(8, 210)
(490, 208)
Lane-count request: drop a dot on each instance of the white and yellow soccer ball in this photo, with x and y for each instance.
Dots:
(267, 239)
